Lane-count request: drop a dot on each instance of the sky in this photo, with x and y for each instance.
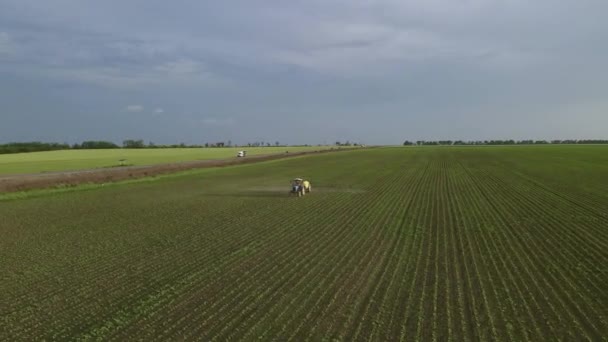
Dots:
(303, 72)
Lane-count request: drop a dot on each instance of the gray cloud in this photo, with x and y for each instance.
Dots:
(5, 44)
(380, 71)
(134, 108)
(217, 121)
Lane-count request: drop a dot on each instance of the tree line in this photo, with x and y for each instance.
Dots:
(37, 146)
(500, 142)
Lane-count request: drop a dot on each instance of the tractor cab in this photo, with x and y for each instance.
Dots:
(296, 184)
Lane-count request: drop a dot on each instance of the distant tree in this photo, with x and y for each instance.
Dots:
(276, 143)
(133, 143)
(92, 145)
(34, 146)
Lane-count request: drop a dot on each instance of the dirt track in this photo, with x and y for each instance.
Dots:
(22, 182)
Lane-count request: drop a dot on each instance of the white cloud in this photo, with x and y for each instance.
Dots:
(159, 111)
(134, 108)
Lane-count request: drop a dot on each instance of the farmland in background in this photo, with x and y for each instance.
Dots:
(490, 243)
(69, 160)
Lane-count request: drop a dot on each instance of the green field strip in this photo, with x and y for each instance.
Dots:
(351, 292)
(382, 191)
(489, 304)
(96, 271)
(73, 160)
(302, 278)
(508, 306)
(502, 304)
(564, 186)
(554, 286)
(285, 307)
(418, 296)
(407, 317)
(91, 282)
(551, 198)
(329, 215)
(279, 307)
(568, 195)
(374, 313)
(289, 271)
(425, 323)
(358, 311)
(512, 241)
(470, 308)
(569, 252)
(401, 301)
(454, 303)
(245, 240)
(127, 304)
(387, 309)
(573, 281)
(320, 290)
(337, 272)
(399, 272)
(219, 280)
(349, 264)
(413, 321)
(366, 291)
(467, 313)
(189, 305)
(442, 312)
(477, 307)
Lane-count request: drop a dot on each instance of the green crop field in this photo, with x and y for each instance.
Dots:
(461, 244)
(36, 162)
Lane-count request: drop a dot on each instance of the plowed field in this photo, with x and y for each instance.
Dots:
(392, 244)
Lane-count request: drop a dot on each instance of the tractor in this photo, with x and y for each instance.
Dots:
(300, 187)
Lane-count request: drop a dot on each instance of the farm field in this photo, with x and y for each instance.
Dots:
(69, 160)
(471, 243)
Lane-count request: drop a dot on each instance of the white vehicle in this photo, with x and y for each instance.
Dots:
(241, 154)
